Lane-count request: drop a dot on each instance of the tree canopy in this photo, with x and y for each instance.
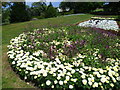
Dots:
(113, 7)
(81, 6)
(18, 12)
(51, 11)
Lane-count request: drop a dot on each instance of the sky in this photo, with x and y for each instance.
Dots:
(55, 3)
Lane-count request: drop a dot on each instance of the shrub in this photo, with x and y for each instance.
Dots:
(118, 18)
(67, 13)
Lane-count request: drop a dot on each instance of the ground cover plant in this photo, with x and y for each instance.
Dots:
(67, 57)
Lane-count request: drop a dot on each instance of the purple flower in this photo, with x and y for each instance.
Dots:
(70, 46)
(107, 46)
(82, 42)
(76, 42)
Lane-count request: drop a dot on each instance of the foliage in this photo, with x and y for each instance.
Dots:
(5, 16)
(18, 12)
(50, 5)
(5, 12)
(38, 8)
(118, 18)
(79, 7)
(67, 12)
(39, 17)
(41, 10)
(50, 12)
(5, 4)
(112, 7)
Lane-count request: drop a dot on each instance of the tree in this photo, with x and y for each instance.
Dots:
(29, 13)
(5, 4)
(65, 5)
(19, 12)
(50, 5)
(79, 7)
(38, 8)
(6, 12)
(51, 11)
(113, 7)
(5, 15)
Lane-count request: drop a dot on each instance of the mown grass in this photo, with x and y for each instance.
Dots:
(9, 78)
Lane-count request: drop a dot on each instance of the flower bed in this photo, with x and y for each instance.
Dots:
(102, 23)
(65, 58)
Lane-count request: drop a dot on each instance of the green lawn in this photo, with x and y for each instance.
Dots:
(9, 78)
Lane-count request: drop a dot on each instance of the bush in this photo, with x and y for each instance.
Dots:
(67, 13)
(6, 21)
(118, 18)
(39, 17)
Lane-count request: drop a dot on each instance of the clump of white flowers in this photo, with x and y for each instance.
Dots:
(102, 23)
